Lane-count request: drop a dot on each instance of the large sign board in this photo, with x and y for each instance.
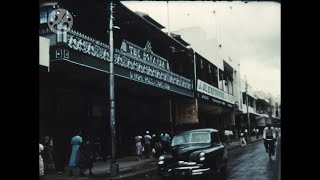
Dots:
(131, 62)
(212, 91)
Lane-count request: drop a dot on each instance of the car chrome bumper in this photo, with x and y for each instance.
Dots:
(184, 171)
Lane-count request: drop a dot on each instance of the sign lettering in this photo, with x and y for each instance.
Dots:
(214, 92)
(148, 80)
(169, 77)
(87, 47)
(149, 67)
(142, 54)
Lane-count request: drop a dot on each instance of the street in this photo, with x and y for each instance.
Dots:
(248, 163)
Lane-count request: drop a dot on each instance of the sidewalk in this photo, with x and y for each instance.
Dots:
(129, 167)
(101, 170)
(236, 144)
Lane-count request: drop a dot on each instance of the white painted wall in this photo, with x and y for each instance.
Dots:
(208, 48)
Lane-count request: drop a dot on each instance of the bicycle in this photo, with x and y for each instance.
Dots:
(270, 148)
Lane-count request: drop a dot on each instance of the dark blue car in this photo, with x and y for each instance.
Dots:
(195, 152)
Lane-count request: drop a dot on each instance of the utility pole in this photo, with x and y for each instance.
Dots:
(248, 117)
(114, 168)
(168, 16)
(270, 111)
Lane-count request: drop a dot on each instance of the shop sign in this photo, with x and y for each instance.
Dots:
(92, 48)
(142, 68)
(148, 80)
(145, 54)
(142, 61)
(214, 92)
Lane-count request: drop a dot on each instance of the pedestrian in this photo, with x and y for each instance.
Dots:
(87, 156)
(242, 140)
(41, 165)
(246, 135)
(49, 147)
(231, 135)
(257, 133)
(277, 132)
(60, 152)
(226, 135)
(75, 153)
(157, 145)
(147, 141)
(104, 147)
(138, 145)
(165, 138)
(253, 132)
(236, 134)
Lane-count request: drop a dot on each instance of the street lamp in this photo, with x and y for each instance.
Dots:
(248, 117)
(114, 168)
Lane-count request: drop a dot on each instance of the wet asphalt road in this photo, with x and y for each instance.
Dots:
(248, 163)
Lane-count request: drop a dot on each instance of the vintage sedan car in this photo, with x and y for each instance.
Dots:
(195, 152)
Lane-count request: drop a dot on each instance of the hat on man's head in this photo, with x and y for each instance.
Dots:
(147, 132)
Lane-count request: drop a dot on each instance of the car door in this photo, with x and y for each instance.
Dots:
(220, 149)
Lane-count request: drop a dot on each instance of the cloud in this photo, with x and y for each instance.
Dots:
(267, 79)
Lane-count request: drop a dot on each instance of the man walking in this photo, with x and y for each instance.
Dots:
(165, 138)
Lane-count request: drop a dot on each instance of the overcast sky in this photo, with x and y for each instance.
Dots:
(250, 32)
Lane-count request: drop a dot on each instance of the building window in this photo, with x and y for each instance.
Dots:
(45, 13)
(244, 98)
(221, 79)
(43, 16)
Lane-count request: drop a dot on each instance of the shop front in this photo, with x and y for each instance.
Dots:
(216, 107)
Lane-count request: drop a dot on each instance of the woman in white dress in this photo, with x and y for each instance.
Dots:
(138, 140)
(41, 166)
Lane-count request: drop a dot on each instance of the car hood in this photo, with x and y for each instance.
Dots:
(183, 151)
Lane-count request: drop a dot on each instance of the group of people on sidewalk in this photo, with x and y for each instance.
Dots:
(157, 144)
(83, 154)
(233, 136)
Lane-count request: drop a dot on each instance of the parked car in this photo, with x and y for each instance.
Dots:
(195, 152)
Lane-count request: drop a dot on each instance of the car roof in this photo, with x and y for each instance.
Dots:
(201, 130)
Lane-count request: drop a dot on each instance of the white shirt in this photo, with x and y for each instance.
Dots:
(147, 138)
(40, 148)
(226, 132)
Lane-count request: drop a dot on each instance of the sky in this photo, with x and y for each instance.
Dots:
(249, 32)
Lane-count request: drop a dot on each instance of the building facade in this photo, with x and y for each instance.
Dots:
(160, 82)
(152, 82)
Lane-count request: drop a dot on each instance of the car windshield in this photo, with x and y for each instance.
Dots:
(191, 138)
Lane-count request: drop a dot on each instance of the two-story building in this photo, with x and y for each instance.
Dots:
(217, 81)
(247, 95)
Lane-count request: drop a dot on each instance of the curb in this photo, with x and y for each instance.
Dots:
(135, 174)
